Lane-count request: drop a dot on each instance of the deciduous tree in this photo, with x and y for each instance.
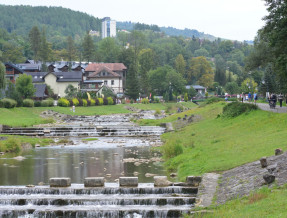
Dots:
(25, 86)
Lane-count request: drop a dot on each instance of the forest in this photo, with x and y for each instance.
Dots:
(149, 54)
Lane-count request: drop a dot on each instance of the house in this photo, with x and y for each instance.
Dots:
(12, 72)
(197, 88)
(41, 91)
(64, 66)
(30, 66)
(113, 75)
(58, 81)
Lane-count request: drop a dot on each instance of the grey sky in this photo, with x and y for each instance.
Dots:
(230, 19)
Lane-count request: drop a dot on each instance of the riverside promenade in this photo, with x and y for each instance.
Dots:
(266, 107)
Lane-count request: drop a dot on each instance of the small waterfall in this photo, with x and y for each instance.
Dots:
(115, 201)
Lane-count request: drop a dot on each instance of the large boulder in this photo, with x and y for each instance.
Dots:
(268, 178)
(278, 151)
(263, 162)
(193, 180)
(161, 181)
(128, 181)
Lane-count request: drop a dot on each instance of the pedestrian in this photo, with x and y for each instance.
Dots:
(242, 97)
(255, 97)
(280, 99)
(74, 108)
(249, 97)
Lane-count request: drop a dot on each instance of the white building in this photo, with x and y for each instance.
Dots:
(109, 28)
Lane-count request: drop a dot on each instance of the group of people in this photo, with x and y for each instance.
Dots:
(249, 97)
(273, 97)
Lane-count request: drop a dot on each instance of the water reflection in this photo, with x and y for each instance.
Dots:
(103, 157)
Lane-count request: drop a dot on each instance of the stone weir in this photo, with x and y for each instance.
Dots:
(128, 198)
(94, 126)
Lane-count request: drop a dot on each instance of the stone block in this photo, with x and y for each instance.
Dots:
(193, 180)
(128, 181)
(161, 181)
(94, 182)
(263, 162)
(278, 151)
(60, 182)
(268, 178)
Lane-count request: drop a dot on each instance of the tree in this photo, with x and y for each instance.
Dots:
(71, 91)
(249, 85)
(201, 52)
(71, 48)
(180, 65)
(25, 86)
(232, 88)
(220, 70)
(2, 76)
(133, 88)
(109, 50)
(146, 62)
(198, 67)
(44, 50)
(35, 41)
(12, 93)
(163, 79)
(88, 47)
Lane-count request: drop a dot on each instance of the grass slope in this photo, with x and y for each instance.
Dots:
(218, 144)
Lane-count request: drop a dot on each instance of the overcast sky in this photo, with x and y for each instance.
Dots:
(230, 19)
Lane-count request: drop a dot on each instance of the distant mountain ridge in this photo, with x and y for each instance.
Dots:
(66, 22)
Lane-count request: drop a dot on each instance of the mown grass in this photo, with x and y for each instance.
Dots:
(90, 139)
(13, 143)
(262, 203)
(218, 144)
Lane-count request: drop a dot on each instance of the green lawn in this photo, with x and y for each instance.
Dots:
(262, 203)
(218, 144)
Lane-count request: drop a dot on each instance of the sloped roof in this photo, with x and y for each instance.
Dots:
(37, 76)
(14, 66)
(94, 67)
(40, 90)
(29, 66)
(195, 87)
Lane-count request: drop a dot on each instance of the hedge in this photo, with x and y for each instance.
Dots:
(63, 102)
(28, 103)
(8, 103)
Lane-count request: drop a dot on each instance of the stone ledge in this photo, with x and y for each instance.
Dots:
(128, 181)
(94, 181)
(60, 182)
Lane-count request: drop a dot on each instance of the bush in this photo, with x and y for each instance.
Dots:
(75, 102)
(132, 101)
(213, 100)
(93, 102)
(85, 103)
(47, 103)
(110, 100)
(62, 102)
(145, 101)
(8, 103)
(235, 109)
(123, 101)
(89, 102)
(12, 145)
(101, 101)
(105, 101)
(37, 103)
(172, 148)
(28, 103)
(156, 100)
(186, 97)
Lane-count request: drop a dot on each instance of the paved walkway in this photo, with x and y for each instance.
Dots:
(266, 107)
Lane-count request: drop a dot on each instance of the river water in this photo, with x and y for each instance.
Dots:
(109, 157)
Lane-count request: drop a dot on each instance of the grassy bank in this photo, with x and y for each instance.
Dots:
(31, 116)
(14, 143)
(262, 203)
(217, 144)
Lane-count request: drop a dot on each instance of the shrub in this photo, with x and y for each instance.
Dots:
(62, 102)
(172, 148)
(101, 101)
(234, 109)
(156, 100)
(105, 101)
(186, 97)
(75, 102)
(93, 102)
(12, 145)
(110, 100)
(37, 103)
(47, 103)
(132, 101)
(123, 101)
(85, 103)
(145, 101)
(89, 102)
(28, 103)
(8, 103)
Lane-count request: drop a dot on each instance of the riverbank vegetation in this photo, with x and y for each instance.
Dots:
(262, 203)
(17, 143)
(218, 143)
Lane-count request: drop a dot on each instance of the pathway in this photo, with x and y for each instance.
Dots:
(266, 107)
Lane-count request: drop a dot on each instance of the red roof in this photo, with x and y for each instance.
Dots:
(97, 67)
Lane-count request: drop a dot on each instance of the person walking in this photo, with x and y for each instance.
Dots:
(280, 99)
(242, 97)
(255, 97)
(249, 97)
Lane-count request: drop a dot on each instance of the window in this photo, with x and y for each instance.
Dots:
(104, 73)
(106, 82)
(112, 82)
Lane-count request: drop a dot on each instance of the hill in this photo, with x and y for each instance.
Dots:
(66, 22)
(56, 20)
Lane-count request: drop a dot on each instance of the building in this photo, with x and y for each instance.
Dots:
(197, 88)
(112, 75)
(12, 72)
(109, 28)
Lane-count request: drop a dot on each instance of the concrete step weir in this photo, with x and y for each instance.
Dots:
(128, 198)
(113, 130)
